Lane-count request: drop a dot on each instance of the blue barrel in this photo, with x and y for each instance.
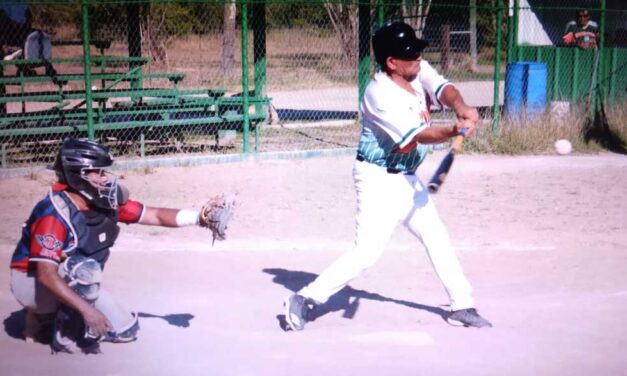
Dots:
(514, 90)
(536, 88)
(525, 90)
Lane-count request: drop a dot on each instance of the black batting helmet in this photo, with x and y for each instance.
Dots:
(396, 39)
(75, 159)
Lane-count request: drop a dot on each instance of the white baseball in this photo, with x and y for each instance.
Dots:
(563, 147)
(94, 87)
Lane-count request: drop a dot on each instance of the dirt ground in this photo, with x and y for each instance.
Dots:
(543, 240)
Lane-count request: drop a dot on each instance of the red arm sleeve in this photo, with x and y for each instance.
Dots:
(48, 236)
(131, 211)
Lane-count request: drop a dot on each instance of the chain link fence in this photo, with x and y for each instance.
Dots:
(155, 79)
(573, 56)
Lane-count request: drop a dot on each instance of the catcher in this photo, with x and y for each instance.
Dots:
(56, 269)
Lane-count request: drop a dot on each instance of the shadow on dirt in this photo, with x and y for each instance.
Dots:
(597, 129)
(182, 320)
(346, 300)
(15, 322)
(14, 327)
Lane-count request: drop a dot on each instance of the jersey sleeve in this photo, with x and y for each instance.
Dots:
(48, 237)
(131, 212)
(431, 81)
(383, 112)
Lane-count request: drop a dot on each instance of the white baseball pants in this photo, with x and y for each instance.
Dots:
(384, 200)
(33, 296)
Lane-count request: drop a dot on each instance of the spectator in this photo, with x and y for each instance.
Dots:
(582, 32)
(15, 25)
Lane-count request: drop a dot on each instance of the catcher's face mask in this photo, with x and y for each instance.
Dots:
(104, 187)
(81, 164)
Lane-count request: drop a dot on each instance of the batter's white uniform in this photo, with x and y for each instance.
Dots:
(389, 192)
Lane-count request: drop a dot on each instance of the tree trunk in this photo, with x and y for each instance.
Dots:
(416, 14)
(151, 26)
(344, 21)
(228, 43)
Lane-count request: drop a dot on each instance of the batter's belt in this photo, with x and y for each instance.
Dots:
(390, 170)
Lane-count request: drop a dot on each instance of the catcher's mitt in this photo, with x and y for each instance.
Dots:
(215, 215)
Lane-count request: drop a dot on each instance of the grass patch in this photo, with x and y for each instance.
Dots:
(538, 136)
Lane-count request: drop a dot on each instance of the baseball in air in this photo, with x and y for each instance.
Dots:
(563, 147)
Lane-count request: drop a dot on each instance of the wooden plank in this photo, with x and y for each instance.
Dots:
(55, 96)
(81, 114)
(79, 126)
(95, 60)
(61, 129)
(19, 80)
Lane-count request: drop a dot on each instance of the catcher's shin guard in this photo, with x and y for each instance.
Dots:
(125, 323)
(125, 334)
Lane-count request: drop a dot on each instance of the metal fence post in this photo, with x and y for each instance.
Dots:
(259, 53)
(245, 115)
(91, 134)
(600, 93)
(512, 37)
(380, 12)
(496, 112)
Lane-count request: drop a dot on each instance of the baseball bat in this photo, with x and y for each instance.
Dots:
(445, 166)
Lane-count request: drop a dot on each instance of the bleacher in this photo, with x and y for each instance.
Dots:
(123, 107)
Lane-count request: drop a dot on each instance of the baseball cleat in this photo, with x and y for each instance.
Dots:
(468, 317)
(297, 308)
(60, 343)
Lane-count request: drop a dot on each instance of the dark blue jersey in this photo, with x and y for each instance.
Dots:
(56, 227)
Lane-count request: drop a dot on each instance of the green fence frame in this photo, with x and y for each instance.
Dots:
(601, 63)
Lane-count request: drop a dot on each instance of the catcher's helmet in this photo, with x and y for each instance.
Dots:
(396, 39)
(77, 158)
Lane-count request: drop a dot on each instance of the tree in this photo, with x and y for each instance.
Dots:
(415, 13)
(161, 23)
(228, 41)
(344, 20)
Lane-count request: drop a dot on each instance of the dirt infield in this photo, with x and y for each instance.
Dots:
(543, 240)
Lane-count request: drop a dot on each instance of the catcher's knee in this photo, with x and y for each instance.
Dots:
(83, 275)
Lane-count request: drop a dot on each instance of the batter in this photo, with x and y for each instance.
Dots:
(393, 143)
